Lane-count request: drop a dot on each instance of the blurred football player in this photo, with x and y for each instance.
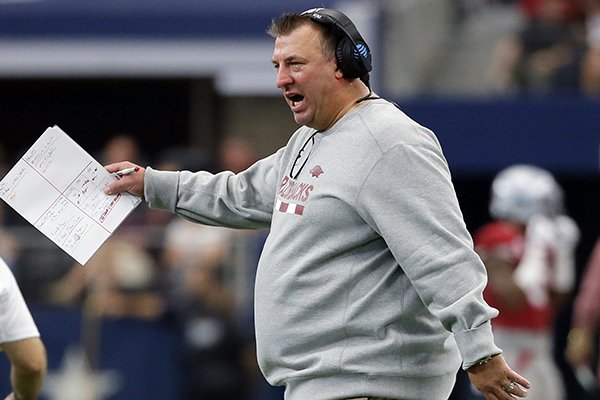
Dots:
(529, 252)
(20, 340)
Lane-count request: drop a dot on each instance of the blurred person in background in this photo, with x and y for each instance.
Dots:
(20, 340)
(119, 145)
(4, 164)
(204, 305)
(368, 284)
(582, 345)
(194, 259)
(236, 153)
(529, 252)
(122, 279)
(125, 144)
(9, 247)
(544, 56)
(210, 270)
(590, 79)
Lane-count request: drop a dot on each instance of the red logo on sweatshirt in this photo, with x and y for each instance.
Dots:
(316, 171)
(293, 190)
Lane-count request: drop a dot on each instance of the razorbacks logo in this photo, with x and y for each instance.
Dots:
(316, 171)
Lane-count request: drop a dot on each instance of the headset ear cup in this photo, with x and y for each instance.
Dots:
(347, 59)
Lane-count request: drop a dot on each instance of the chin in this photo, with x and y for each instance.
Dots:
(300, 120)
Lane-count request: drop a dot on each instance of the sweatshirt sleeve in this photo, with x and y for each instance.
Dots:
(408, 197)
(244, 200)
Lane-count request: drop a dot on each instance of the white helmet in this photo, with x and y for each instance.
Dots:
(521, 191)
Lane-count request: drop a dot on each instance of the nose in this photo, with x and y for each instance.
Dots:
(283, 77)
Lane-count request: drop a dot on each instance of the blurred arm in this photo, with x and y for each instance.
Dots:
(586, 314)
(500, 274)
(28, 367)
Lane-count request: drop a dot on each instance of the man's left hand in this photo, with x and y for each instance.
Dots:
(497, 381)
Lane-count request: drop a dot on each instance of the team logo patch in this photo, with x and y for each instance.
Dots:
(316, 171)
(289, 208)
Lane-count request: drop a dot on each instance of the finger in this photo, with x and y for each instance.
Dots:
(519, 391)
(513, 391)
(503, 395)
(514, 377)
(491, 396)
(114, 167)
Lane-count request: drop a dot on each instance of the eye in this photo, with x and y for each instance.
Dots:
(295, 65)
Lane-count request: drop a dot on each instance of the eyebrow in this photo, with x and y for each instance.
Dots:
(291, 57)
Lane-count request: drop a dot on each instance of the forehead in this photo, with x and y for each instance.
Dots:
(303, 40)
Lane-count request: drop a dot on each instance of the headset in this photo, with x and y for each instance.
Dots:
(352, 53)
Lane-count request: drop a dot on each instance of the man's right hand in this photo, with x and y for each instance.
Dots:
(132, 183)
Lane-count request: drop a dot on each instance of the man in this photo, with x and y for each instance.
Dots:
(368, 280)
(19, 339)
(529, 252)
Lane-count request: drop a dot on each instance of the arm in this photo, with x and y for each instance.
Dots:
(428, 237)
(566, 237)
(546, 272)
(242, 200)
(19, 338)
(28, 367)
(500, 273)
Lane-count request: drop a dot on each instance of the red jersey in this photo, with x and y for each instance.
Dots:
(508, 242)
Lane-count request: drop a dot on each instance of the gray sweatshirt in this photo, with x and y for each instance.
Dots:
(368, 283)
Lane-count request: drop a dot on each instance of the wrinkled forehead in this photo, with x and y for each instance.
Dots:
(306, 39)
(306, 31)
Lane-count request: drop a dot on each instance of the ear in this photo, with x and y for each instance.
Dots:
(338, 73)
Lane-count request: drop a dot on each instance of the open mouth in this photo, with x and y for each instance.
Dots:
(295, 100)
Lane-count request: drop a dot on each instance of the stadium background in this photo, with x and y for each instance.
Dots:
(189, 73)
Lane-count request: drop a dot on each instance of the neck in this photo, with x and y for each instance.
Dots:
(354, 99)
(368, 96)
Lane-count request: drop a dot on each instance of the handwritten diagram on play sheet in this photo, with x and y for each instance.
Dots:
(57, 187)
